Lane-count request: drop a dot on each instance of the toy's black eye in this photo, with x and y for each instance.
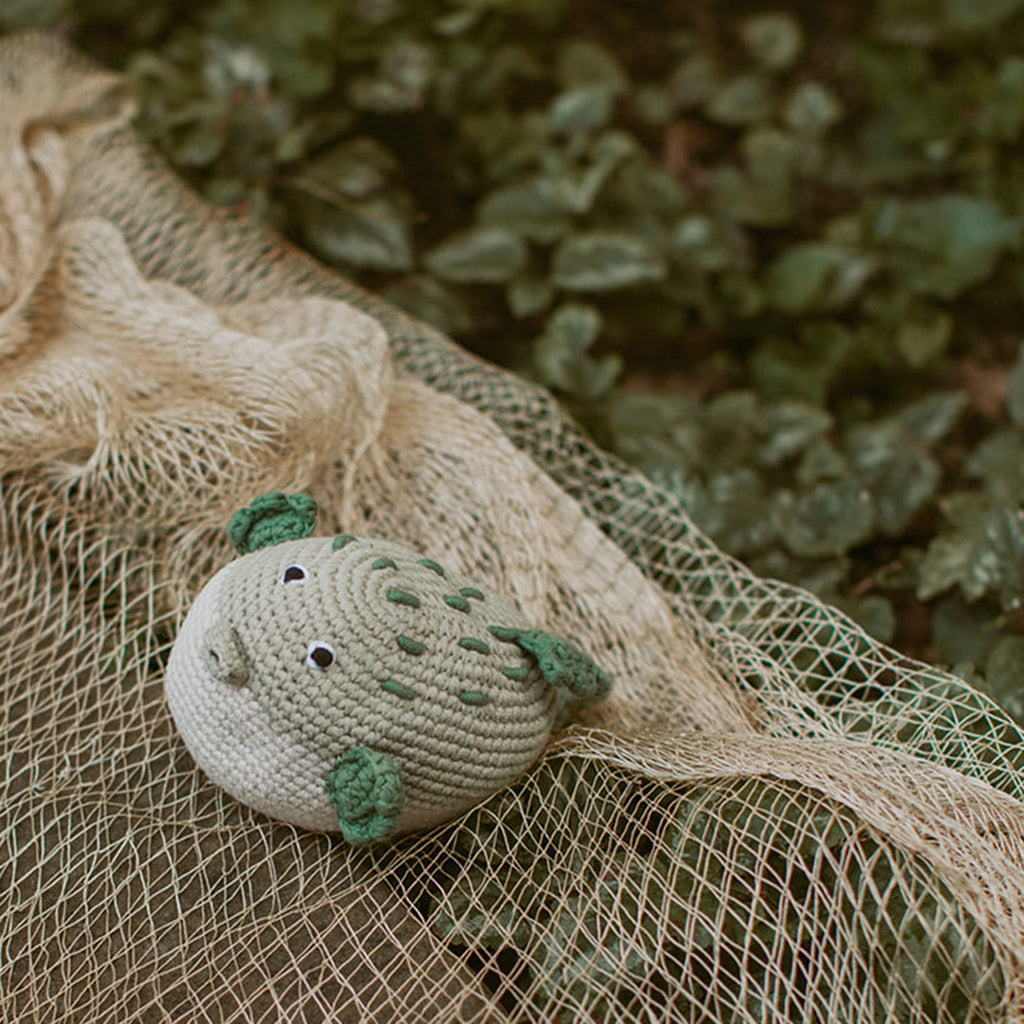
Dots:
(320, 655)
(293, 574)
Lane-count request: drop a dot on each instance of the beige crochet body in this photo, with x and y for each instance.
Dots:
(414, 673)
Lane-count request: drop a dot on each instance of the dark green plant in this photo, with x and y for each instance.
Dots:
(774, 259)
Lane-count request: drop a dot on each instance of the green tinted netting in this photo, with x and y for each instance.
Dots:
(773, 819)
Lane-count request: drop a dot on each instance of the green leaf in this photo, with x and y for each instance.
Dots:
(528, 296)
(483, 255)
(706, 243)
(533, 208)
(733, 426)
(357, 168)
(577, 188)
(198, 143)
(369, 234)
(762, 192)
(294, 40)
(816, 276)
(963, 632)
(1015, 389)
(641, 189)
(874, 614)
(606, 260)
(999, 462)
(653, 430)
(743, 100)
(821, 461)
(830, 519)
(978, 14)
(944, 564)
(922, 338)
(741, 199)
(944, 245)
(581, 110)
(403, 74)
(458, 22)
(743, 297)
(1003, 115)
(931, 418)
(811, 109)
(1004, 675)
(804, 370)
(901, 477)
(734, 512)
(790, 427)
(773, 40)
(997, 560)
(561, 353)
(695, 80)
(584, 63)
(771, 157)
(653, 105)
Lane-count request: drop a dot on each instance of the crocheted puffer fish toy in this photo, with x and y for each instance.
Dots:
(351, 684)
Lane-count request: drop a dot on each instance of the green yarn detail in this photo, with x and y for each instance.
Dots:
(398, 689)
(411, 646)
(510, 636)
(341, 540)
(470, 643)
(398, 596)
(454, 601)
(518, 673)
(383, 563)
(475, 697)
(272, 519)
(365, 790)
(563, 664)
(433, 566)
(471, 592)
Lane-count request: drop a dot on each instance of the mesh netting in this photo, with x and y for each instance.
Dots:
(774, 819)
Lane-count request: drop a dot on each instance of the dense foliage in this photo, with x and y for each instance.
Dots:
(771, 255)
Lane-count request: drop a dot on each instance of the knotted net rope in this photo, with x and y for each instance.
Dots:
(774, 818)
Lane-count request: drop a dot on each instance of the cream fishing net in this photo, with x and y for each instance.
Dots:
(774, 819)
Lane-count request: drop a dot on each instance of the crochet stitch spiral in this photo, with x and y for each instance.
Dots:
(354, 684)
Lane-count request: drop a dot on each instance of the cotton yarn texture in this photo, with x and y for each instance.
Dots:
(771, 818)
(348, 683)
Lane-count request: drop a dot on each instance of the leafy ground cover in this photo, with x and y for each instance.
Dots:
(771, 254)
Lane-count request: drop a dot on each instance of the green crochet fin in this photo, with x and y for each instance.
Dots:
(365, 789)
(271, 519)
(560, 662)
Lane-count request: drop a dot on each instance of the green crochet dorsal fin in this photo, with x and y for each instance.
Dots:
(271, 519)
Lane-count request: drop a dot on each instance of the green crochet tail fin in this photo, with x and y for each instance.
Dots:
(561, 663)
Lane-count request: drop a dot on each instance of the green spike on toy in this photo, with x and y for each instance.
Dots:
(272, 519)
(398, 689)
